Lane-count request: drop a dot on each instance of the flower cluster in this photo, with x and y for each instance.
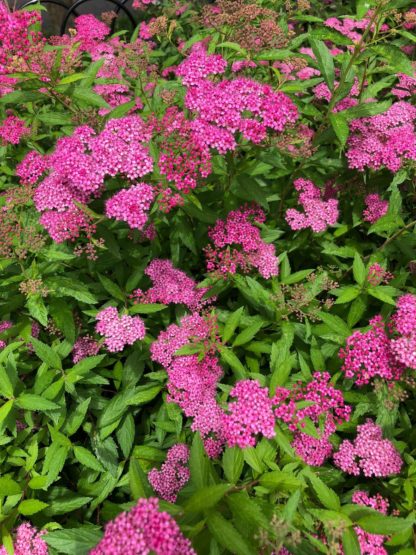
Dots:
(173, 475)
(369, 354)
(324, 403)
(371, 544)
(318, 214)
(199, 64)
(376, 207)
(119, 331)
(142, 530)
(5, 325)
(171, 285)
(27, 541)
(131, 205)
(12, 129)
(403, 325)
(387, 139)
(377, 275)
(85, 346)
(369, 453)
(238, 246)
(249, 415)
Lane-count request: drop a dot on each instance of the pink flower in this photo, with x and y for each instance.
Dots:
(318, 214)
(376, 208)
(237, 245)
(84, 347)
(173, 475)
(369, 453)
(143, 530)
(12, 129)
(371, 544)
(251, 414)
(131, 205)
(28, 541)
(119, 331)
(199, 64)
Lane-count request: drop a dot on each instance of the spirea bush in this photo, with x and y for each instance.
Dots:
(208, 280)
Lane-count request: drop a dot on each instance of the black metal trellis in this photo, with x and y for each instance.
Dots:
(72, 10)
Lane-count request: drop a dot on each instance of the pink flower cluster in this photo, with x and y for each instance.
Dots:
(369, 354)
(174, 474)
(387, 139)
(403, 325)
(131, 205)
(405, 87)
(249, 415)
(5, 325)
(351, 27)
(143, 530)
(77, 170)
(377, 275)
(85, 346)
(318, 214)
(376, 207)
(12, 129)
(27, 541)
(199, 64)
(371, 544)
(119, 331)
(171, 285)
(237, 245)
(323, 403)
(369, 453)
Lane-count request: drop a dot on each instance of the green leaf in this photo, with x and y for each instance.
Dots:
(399, 62)
(198, 462)
(296, 277)
(388, 223)
(72, 541)
(112, 288)
(146, 395)
(90, 98)
(366, 110)
(358, 269)
(139, 485)
(247, 334)
(6, 386)
(232, 324)
(350, 542)
(30, 401)
(385, 525)
(51, 118)
(5, 409)
(87, 459)
(125, 434)
(206, 498)
(326, 495)
(347, 294)
(37, 309)
(66, 504)
(324, 60)
(233, 463)
(381, 295)
(63, 286)
(279, 480)
(9, 487)
(230, 358)
(335, 323)
(340, 126)
(226, 535)
(31, 506)
(247, 514)
(46, 354)
(146, 308)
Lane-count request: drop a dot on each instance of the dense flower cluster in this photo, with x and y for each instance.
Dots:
(371, 544)
(376, 207)
(377, 275)
(369, 354)
(238, 246)
(85, 346)
(12, 129)
(369, 453)
(249, 415)
(142, 530)
(27, 541)
(388, 139)
(131, 205)
(171, 285)
(5, 325)
(403, 325)
(119, 331)
(173, 475)
(318, 214)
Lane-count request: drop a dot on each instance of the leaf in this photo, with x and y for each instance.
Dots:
(37, 309)
(232, 324)
(324, 60)
(233, 463)
(46, 354)
(230, 358)
(247, 334)
(385, 525)
(5, 409)
(397, 59)
(247, 514)
(125, 434)
(335, 323)
(206, 498)
(358, 269)
(296, 277)
(6, 386)
(76, 417)
(347, 294)
(89, 97)
(74, 540)
(145, 395)
(146, 308)
(388, 223)
(112, 288)
(198, 462)
(139, 484)
(87, 459)
(326, 495)
(9, 487)
(340, 126)
(51, 118)
(279, 480)
(226, 535)
(66, 504)
(366, 110)
(31, 506)
(63, 286)
(350, 542)
(378, 293)
(30, 401)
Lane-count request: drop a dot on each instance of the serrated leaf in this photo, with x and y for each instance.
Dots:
(112, 288)
(31, 507)
(87, 459)
(378, 293)
(335, 323)
(79, 541)
(326, 495)
(46, 354)
(226, 535)
(233, 463)
(230, 358)
(206, 498)
(358, 269)
(247, 334)
(347, 294)
(384, 525)
(232, 324)
(9, 487)
(324, 60)
(149, 308)
(198, 462)
(30, 401)
(139, 485)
